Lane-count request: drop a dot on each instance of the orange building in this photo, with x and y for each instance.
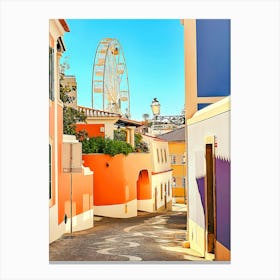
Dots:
(124, 185)
(61, 198)
(119, 183)
(98, 123)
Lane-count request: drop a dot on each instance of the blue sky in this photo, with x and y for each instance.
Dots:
(154, 55)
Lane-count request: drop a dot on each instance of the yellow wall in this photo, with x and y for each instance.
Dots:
(177, 147)
(179, 170)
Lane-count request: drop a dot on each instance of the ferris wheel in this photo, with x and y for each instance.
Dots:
(110, 89)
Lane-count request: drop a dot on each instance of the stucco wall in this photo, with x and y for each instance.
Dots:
(159, 181)
(217, 126)
(115, 179)
(93, 130)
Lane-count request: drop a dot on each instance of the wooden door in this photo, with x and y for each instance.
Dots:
(210, 200)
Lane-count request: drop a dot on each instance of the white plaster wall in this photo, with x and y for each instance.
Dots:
(146, 205)
(218, 126)
(196, 237)
(117, 210)
(82, 221)
(55, 230)
(109, 130)
(154, 145)
(157, 180)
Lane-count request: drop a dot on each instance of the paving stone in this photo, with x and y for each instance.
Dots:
(151, 237)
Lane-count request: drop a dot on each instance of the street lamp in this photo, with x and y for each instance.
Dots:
(155, 107)
(156, 110)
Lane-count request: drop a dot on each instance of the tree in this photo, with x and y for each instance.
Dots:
(145, 116)
(70, 115)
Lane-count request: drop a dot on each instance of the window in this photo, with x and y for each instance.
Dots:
(173, 181)
(50, 171)
(165, 157)
(161, 155)
(161, 191)
(184, 181)
(168, 188)
(173, 159)
(51, 73)
(157, 155)
(183, 159)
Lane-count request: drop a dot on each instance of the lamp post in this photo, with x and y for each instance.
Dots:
(156, 110)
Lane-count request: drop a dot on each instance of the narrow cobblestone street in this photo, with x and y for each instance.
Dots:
(147, 237)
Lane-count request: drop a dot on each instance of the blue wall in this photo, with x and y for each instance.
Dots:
(213, 57)
(202, 105)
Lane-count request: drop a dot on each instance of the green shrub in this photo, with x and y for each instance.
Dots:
(106, 146)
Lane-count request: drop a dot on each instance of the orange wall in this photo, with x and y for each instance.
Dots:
(51, 119)
(93, 130)
(117, 183)
(143, 186)
(51, 135)
(81, 186)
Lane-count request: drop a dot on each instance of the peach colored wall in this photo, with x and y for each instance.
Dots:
(117, 182)
(51, 40)
(93, 130)
(51, 135)
(63, 195)
(82, 186)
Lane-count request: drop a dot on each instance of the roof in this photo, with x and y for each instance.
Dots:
(174, 135)
(90, 112)
(154, 138)
(210, 111)
(128, 122)
(64, 25)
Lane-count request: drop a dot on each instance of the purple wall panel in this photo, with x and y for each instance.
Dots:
(200, 184)
(223, 201)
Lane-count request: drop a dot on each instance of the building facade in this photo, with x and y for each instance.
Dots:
(207, 91)
(207, 62)
(177, 150)
(70, 195)
(209, 164)
(161, 175)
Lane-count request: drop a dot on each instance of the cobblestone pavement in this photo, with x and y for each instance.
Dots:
(147, 237)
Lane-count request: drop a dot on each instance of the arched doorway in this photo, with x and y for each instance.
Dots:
(143, 186)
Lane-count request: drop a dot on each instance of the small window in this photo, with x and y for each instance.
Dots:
(165, 157)
(161, 155)
(161, 191)
(158, 155)
(173, 159)
(168, 188)
(174, 182)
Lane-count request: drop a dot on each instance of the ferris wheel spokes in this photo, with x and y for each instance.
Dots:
(110, 78)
